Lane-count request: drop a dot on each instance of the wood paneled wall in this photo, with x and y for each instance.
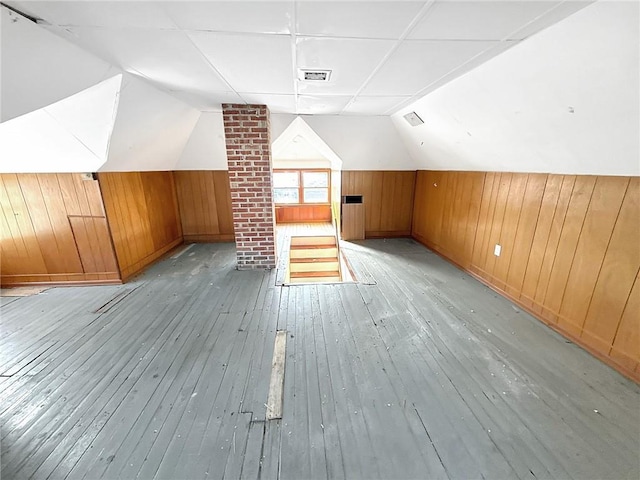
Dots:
(387, 198)
(205, 205)
(570, 248)
(54, 230)
(142, 209)
(303, 213)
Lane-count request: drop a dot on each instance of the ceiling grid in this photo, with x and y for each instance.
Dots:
(382, 55)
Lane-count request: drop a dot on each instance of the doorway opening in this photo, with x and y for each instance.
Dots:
(307, 193)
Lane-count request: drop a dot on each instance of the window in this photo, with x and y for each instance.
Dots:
(286, 187)
(300, 186)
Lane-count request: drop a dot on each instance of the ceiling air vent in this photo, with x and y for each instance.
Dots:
(315, 75)
(413, 119)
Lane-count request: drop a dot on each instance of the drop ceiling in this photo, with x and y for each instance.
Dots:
(383, 55)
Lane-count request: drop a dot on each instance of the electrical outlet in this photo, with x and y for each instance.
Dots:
(497, 250)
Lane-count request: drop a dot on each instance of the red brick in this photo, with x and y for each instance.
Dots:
(249, 157)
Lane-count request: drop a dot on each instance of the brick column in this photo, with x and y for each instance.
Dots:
(248, 141)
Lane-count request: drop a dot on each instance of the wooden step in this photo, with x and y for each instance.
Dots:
(316, 280)
(311, 247)
(309, 241)
(313, 267)
(316, 275)
(313, 253)
(313, 259)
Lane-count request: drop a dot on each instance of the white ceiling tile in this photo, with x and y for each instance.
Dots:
(373, 105)
(351, 61)
(325, 105)
(209, 101)
(355, 19)
(497, 49)
(99, 14)
(221, 16)
(471, 20)
(555, 15)
(276, 103)
(416, 64)
(165, 56)
(246, 46)
(250, 63)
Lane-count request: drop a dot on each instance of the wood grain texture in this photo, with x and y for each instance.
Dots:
(449, 226)
(205, 205)
(276, 384)
(303, 213)
(388, 200)
(54, 230)
(570, 248)
(423, 373)
(353, 221)
(142, 210)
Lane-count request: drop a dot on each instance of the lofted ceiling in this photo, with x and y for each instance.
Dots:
(383, 55)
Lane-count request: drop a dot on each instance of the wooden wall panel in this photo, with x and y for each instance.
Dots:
(570, 248)
(387, 197)
(627, 336)
(205, 205)
(529, 215)
(617, 272)
(303, 214)
(142, 210)
(447, 222)
(54, 231)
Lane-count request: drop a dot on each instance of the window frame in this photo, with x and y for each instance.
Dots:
(301, 188)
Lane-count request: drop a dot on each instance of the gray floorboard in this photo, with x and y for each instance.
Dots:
(415, 371)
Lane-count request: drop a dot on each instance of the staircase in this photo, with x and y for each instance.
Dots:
(314, 260)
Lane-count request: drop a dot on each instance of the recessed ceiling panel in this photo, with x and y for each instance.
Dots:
(250, 63)
(99, 14)
(355, 19)
(477, 20)
(325, 105)
(351, 61)
(219, 16)
(373, 105)
(167, 57)
(416, 64)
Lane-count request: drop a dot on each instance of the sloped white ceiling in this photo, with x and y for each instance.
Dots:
(151, 130)
(361, 142)
(565, 101)
(206, 148)
(36, 65)
(299, 146)
(383, 54)
(40, 68)
(71, 135)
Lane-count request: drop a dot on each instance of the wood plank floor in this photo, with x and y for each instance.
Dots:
(419, 372)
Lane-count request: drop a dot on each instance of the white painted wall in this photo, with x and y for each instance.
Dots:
(151, 130)
(564, 101)
(206, 148)
(39, 68)
(361, 142)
